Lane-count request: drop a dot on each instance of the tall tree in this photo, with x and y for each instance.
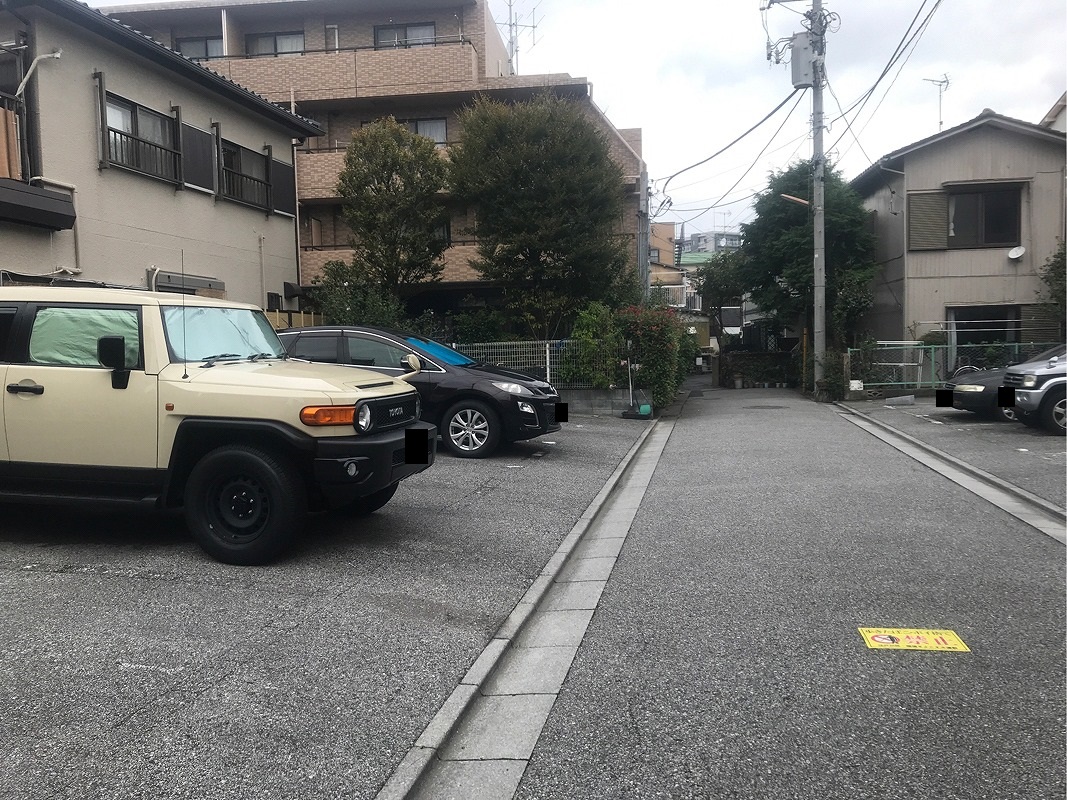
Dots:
(776, 266)
(548, 201)
(718, 280)
(390, 186)
(1054, 294)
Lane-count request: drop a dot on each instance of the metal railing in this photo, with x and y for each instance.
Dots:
(142, 155)
(565, 363)
(915, 365)
(238, 186)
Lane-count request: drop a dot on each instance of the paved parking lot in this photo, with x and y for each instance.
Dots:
(133, 666)
(1030, 458)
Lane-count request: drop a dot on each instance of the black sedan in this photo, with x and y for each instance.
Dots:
(475, 406)
(977, 392)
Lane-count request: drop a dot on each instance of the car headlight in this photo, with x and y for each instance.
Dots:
(363, 417)
(1029, 380)
(511, 388)
(969, 387)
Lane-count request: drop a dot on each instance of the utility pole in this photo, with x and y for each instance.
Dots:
(818, 30)
(808, 56)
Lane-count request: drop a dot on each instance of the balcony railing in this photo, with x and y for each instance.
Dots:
(245, 188)
(141, 155)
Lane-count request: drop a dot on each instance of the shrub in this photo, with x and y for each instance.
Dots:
(655, 335)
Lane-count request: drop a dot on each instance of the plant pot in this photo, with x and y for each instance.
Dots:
(739, 383)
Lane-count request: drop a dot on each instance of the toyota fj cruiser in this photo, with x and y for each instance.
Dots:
(190, 402)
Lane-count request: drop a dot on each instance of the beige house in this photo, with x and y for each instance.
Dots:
(123, 163)
(965, 220)
(345, 65)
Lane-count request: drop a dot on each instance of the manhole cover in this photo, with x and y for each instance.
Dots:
(763, 406)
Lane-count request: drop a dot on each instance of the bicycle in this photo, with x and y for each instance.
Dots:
(966, 368)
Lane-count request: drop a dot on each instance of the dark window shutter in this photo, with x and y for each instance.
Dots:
(928, 221)
(283, 180)
(198, 157)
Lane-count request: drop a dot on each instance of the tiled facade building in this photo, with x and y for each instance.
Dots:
(345, 65)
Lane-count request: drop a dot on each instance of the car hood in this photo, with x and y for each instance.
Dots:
(491, 372)
(340, 384)
(988, 377)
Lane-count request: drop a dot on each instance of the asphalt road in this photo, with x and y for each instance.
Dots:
(1029, 458)
(724, 660)
(133, 666)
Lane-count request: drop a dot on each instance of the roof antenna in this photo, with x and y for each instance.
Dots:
(942, 86)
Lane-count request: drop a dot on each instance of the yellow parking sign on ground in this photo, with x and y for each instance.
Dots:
(913, 639)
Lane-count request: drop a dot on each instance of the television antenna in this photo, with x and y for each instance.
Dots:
(942, 85)
(514, 24)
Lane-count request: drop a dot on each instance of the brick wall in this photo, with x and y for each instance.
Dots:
(316, 174)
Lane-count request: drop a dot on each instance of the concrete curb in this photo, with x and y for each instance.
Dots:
(416, 763)
(1020, 494)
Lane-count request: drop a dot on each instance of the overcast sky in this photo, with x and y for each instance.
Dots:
(694, 75)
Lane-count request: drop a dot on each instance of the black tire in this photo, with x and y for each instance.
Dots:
(1053, 413)
(367, 505)
(470, 429)
(244, 505)
(1005, 414)
(1029, 420)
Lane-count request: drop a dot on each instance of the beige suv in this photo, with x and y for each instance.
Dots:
(180, 401)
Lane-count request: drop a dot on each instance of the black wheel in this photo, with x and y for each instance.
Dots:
(1053, 413)
(243, 505)
(1005, 413)
(471, 429)
(369, 504)
(1029, 420)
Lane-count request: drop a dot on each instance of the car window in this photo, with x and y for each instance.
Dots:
(202, 333)
(67, 336)
(315, 348)
(374, 353)
(441, 352)
(7, 323)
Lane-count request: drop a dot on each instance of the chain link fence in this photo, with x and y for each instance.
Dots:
(915, 365)
(565, 363)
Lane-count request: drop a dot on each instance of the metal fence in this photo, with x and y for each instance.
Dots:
(565, 363)
(915, 365)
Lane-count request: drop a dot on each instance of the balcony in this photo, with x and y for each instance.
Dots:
(316, 174)
(450, 65)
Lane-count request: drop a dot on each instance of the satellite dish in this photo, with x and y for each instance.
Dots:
(1016, 253)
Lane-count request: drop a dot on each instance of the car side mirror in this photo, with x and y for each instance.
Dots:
(413, 364)
(111, 353)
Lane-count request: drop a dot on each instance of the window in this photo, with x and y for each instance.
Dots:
(141, 139)
(653, 254)
(273, 44)
(375, 353)
(315, 348)
(67, 337)
(333, 39)
(202, 47)
(435, 129)
(984, 218)
(244, 175)
(966, 218)
(420, 35)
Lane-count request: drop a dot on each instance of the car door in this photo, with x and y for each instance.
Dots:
(60, 405)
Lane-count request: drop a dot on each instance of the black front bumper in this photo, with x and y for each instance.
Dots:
(524, 425)
(349, 467)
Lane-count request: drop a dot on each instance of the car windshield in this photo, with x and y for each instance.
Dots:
(1058, 350)
(440, 351)
(204, 333)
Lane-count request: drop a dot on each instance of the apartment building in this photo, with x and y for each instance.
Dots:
(122, 162)
(345, 65)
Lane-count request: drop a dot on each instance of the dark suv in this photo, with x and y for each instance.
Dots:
(476, 406)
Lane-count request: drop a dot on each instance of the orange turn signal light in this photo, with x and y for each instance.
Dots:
(328, 415)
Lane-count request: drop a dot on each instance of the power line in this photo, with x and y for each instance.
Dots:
(723, 150)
